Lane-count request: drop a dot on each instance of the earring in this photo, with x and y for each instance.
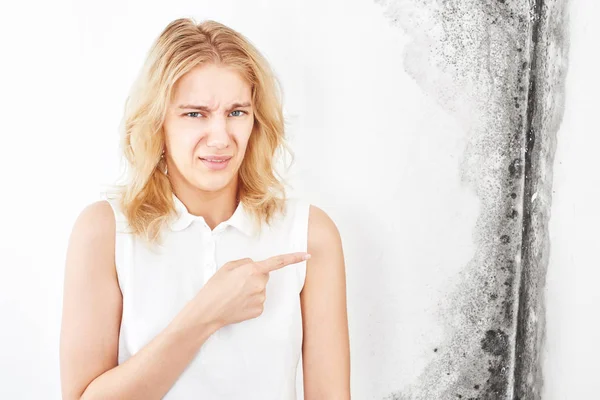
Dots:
(162, 157)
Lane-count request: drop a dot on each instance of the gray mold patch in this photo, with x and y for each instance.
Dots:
(474, 58)
(545, 111)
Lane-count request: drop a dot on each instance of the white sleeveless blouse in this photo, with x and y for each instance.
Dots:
(258, 358)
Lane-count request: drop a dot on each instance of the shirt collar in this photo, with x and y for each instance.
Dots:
(240, 219)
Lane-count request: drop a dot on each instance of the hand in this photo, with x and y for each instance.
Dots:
(237, 291)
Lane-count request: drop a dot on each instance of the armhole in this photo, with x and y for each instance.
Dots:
(120, 229)
(300, 236)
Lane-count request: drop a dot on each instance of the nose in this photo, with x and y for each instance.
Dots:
(217, 135)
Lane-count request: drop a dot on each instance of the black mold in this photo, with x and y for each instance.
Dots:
(500, 27)
(515, 168)
(545, 109)
(513, 214)
(495, 342)
(497, 383)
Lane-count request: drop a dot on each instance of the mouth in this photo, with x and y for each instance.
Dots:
(216, 163)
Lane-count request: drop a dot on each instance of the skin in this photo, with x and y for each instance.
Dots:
(92, 301)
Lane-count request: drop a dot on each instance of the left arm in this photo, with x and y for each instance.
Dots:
(326, 347)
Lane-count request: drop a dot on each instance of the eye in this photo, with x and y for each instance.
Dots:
(188, 114)
(239, 111)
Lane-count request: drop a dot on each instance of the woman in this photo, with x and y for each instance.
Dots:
(192, 282)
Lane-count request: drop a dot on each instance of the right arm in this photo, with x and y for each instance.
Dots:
(91, 318)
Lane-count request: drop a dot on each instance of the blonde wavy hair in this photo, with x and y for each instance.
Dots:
(145, 198)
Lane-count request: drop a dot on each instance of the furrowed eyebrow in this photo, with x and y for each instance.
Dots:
(207, 109)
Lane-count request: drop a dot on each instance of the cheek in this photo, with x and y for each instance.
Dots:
(182, 138)
(242, 143)
(182, 149)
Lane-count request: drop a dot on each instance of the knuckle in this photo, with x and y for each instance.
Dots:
(255, 268)
(260, 287)
(258, 311)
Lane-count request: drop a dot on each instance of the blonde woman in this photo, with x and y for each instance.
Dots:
(198, 278)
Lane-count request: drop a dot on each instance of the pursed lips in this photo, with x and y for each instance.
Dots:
(216, 158)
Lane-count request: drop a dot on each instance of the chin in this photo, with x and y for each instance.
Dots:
(212, 184)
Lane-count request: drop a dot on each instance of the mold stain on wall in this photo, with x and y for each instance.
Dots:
(486, 63)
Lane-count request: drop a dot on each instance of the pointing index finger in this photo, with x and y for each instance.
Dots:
(280, 261)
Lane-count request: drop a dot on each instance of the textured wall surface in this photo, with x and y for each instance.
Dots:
(499, 67)
(425, 129)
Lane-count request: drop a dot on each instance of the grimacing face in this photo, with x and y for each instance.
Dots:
(210, 115)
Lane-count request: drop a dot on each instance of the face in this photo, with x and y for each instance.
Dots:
(210, 116)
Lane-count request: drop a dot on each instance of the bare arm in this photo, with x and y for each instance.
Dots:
(325, 349)
(92, 306)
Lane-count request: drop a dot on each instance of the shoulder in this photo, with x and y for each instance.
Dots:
(325, 270)
(94, 227)
(323, 233)
(96, 218)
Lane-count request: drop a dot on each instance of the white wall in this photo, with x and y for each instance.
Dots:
(371, 149)
(571, 352)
